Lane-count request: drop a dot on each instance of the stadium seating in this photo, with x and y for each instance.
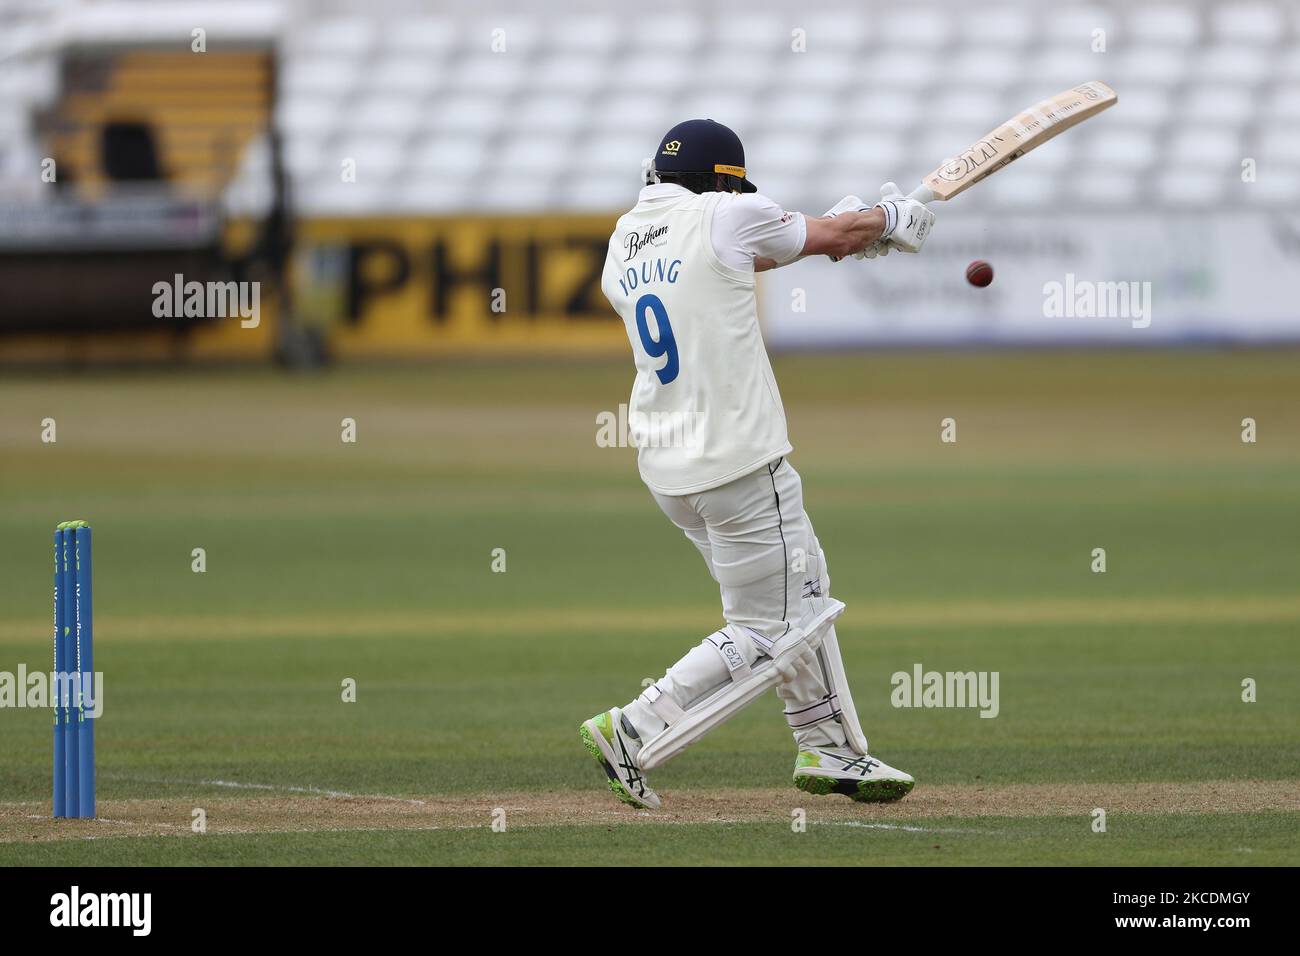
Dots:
(562, 117)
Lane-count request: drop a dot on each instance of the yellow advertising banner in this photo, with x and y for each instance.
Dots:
(426, 287)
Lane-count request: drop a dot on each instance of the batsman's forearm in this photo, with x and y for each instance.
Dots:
(867, 226)
(857, 230)
(844, 234)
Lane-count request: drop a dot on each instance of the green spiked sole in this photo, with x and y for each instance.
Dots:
(615, 786)
(863, 791)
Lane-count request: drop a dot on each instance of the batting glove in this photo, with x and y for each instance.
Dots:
(907, 222)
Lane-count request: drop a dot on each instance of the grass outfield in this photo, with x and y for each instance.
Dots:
(372, 561)
(1201, 839)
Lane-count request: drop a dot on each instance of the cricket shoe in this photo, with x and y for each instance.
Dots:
(865, 779)
(613, 741)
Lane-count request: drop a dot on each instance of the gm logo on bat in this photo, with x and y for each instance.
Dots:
(970, 160)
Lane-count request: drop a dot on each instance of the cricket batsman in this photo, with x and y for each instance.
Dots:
(709, 426)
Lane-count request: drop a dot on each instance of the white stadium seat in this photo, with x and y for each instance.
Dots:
(833, 30)
(353, 36)
(639, 111)
(328, 196)
(788, 189)
(507, 196)
(1164, 23)
(305, 158)
(1146, 107)
(1105, 187)
(429, 36)
(549, 113)
(1281, 147)
(981, 68)
(1275, 187)
(451, 155)
(739, 73)
(851, 156)
(1257, 22)
(1059, 67)
(376, 157)
(810, 114)
(584, 34)
(471, 112)
(408, 75)
(598, 193)
(973, 104)
(998, 27)
(886, 108)
(1287, 64)
(677, 32)
(1122, 149)
(1073, 28)
(825, 70)
(34, 82)
(1283, 105)
(758, 33)
(308, 117)
(906, 29)
(573, 75)
(1192, 186)
(321, 75)
(618, 154)
(433, 193)
(499, 73)
(779, 153)
(1208, 146)
(892, 69)
(1239, 63)
(730, 110)
(1148, 66)
(661, 73)
(532, 154)
(1225, 105)
(386, 113)
(1025, 190)
(521, 35)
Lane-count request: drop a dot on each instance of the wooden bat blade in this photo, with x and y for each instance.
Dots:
(1015, 137)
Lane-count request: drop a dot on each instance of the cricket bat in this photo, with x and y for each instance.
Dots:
(1014, 138)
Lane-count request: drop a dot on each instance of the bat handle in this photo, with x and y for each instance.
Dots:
(921, 193)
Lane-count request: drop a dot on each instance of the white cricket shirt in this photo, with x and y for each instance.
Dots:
(705, 408)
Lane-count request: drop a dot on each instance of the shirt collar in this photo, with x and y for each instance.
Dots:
(661, 191)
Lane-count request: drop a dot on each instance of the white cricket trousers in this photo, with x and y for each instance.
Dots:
(759, 545)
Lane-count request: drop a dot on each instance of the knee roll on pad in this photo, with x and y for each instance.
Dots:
(723, 656)
(750, 673)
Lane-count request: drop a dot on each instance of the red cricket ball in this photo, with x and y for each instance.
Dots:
(979, 273)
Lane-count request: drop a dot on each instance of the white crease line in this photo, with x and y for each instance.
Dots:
(252, 831)
(235, 785)
(893, 826)
(97, 821)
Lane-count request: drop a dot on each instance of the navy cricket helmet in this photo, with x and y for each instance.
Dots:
(703, 146)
